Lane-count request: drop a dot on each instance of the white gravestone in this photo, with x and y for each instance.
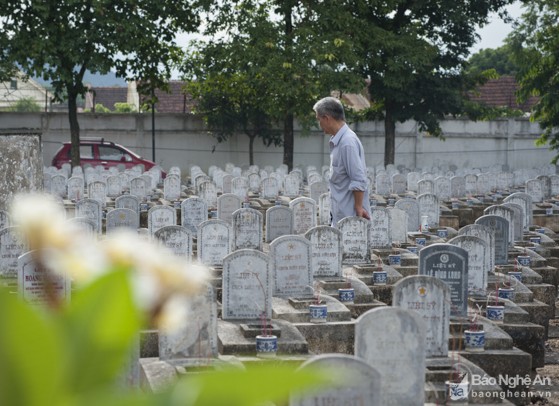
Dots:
(478, 262)
(177, 239)
(304, 214)
(500, 228)
(355, 240)
(11, 248)
(279, 221)
(363, 387)
(430, 297)
(227, 204)
(399, 225)
(429, 206)
(247, 229)
(38, 286)
(485, 234)
(122, 218)
(411, 207)
(161, 216)
(380, 229)
(247, 286)
(326, 250)
(214, 242)
(90, 209)
(291, 266)
(172, 187)
(193, 212)
(392, 340)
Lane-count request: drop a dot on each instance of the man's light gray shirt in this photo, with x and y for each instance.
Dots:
(348, 172)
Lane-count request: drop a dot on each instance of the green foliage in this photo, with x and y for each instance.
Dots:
(535, 46)
(125, 108)
(51, 357)
(60, 40)
(273, 64)
(26, 104)
(99, 108)
(76, 354)
(498, 59)
(413, 53)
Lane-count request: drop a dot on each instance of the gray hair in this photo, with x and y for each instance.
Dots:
(330, 106)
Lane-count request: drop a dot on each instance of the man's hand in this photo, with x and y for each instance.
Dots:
(361, 212)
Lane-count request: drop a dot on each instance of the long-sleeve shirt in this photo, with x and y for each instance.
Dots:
(348, 172)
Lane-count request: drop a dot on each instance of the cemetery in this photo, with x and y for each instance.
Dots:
(446, 296)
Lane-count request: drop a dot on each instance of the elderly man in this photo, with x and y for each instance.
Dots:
(348, 171)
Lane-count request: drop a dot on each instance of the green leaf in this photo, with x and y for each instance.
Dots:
(102, 324)
(31, 371)
(271, 382)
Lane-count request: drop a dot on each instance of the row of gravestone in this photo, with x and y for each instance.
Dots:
(244, 226)
(393, 340)
(391, 345)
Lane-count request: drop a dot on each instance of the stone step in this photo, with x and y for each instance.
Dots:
(498, 363)
(528, 337)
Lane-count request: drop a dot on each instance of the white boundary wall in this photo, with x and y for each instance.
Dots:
(182, 140)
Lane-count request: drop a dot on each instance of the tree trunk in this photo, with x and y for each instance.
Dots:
(389, 138)
(251, 149)
(288, 141)
(74, 127)
(289, 116)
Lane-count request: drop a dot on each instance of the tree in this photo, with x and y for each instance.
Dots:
(266, 63)
(413, 53)
(26, 104)
(535, 46)
(61, 40)
(499, 59)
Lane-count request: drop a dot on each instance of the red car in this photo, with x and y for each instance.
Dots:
(100, 152)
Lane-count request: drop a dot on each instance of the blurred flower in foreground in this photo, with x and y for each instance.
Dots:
(158, 278)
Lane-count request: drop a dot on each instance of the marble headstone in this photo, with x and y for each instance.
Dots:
(355, 240)
(430, 297)
(90, 209)
(279, 221)
(247, 285)
(122, 218)
(161, 216)
(193, 212)
(10, 250)
(197, 335)
(362, 388)
(214, 242)
(37, 285)
(247, 229)
(392, 340)
(500, 227)
(411, 207)
(448, 263)
(380, 229)
(227, 204)
(304, 214)
(478, 262)
(291, 266)
(326, 249)
(176, 238)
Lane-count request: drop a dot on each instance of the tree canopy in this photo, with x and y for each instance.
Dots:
(60, 40)
(413, 53)
(535, 45)
(265, 64)
(499, 59)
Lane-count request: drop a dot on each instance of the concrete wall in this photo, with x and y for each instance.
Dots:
(182, 140)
